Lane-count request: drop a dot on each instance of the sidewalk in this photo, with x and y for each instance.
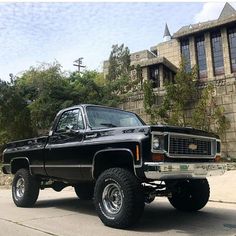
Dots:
(223, 188)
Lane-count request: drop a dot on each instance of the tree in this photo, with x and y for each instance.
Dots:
(119, 63)
(149, 102)
(183, 97)
(209, 116)
(30, 102)
(47, 90)
(14, 115)
(85, 86)
(179, 97)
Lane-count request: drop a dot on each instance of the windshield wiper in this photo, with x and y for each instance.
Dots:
(108, 124)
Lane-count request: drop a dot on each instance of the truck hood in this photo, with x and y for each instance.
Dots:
(183, 130)
(139, 132)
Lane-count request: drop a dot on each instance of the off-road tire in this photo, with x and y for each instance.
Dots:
(190, 195)
(131, 193)
(31, 189)
(84, 191)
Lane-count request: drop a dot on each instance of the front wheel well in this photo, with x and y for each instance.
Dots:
(112, 159)
(17, 164)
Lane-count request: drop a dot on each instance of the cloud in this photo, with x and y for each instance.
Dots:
(210, 11)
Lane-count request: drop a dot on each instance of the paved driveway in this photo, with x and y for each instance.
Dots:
(65, 215)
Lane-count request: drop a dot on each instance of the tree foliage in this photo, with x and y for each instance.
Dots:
(149, 102)
(119, 63)
(179, 97)
(185, 104)
(46, 90)
(29, 104)
(209, 116)
(14, 114)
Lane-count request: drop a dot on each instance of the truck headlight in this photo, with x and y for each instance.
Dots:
(158, 142)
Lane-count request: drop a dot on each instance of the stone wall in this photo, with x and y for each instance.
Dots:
(141, 56)
(225, 92)
(170, 50)
(226, 96)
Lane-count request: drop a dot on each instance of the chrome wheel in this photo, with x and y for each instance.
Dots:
(20, 187)
(112, 198)
(118, 198)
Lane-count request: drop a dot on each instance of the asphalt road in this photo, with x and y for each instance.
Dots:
(63, 214)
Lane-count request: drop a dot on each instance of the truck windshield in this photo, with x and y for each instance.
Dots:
(101, 117)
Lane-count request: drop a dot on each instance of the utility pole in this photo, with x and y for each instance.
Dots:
(78, 63)
(12, 78)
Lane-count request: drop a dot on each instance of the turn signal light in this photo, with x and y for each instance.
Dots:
(137, 153)
(217, 158)
(157, 157)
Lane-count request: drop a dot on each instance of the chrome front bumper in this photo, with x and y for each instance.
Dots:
(163, 171)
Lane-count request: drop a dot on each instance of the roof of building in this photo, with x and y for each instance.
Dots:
(155, 61)
(166, 31)
(227, 11)
(145, 51)
(228, 15)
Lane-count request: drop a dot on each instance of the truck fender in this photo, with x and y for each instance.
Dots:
(113, 154)
(17, 163)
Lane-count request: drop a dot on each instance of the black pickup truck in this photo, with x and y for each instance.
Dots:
(112, 156)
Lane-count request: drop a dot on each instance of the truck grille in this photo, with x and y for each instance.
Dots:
(189, 146)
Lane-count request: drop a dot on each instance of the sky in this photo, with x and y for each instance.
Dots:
(32, 33)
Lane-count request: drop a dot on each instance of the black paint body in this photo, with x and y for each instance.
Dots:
(71, 156)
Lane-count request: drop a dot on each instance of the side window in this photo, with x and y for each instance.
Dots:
(70, 120)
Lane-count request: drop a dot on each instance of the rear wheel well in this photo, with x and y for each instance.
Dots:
(112, 159)
(19, 164)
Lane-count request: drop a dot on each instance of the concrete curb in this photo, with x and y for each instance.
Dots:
(220, 201)
(231, 166)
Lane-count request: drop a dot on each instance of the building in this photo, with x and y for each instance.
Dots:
(211, 46)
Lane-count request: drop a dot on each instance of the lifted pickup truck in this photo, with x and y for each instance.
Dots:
(112, 156)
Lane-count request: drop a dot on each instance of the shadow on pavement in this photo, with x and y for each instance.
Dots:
(69, 204)
(161, 217)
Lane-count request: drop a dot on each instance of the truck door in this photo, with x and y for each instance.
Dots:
(63, 156)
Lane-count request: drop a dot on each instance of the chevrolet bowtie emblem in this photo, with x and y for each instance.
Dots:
(192, 146)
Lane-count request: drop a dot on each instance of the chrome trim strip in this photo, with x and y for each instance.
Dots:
(68, 166)
(6, 164)
(36, 166)
(174, 170)
(192, 135)
(88, 142)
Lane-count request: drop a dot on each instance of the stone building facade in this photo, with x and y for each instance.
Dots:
(211, 46)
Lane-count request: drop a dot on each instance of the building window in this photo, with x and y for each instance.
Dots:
(154, 76)
(167, 75)
(232, 48)
(186, 54)
(217, 53)
(201, 56)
